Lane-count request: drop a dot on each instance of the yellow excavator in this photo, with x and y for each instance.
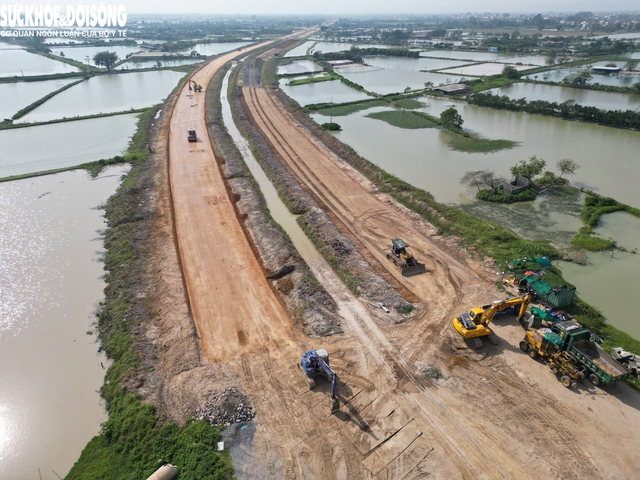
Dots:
(475, 324)
(196, 87)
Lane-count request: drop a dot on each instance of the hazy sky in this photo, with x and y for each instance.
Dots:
(369, 6)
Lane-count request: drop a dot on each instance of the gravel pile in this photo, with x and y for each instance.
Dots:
(227, 407)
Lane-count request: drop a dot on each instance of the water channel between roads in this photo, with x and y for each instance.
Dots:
(50, 283)
(277, 209)
(65, 144)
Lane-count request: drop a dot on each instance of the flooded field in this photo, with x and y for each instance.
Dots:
(610, 282)
(325, 47)
(483, 69)
(47, 147)
(392, 81)
(18, 95)
(18, 62)
(553, 93)
(50, 368)
(613, 79)
(410, 64)
(108, 93)
(423, 158)
(85, 54)
(299, 66)
(323, 92)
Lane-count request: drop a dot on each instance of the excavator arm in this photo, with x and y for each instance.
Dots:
(524, 302)
(335, 403)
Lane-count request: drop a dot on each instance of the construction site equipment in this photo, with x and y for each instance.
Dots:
(196, 87)
(627, 359)
(547, 345)
(475, 324)
(403, 260)
(316, 363)
(191, 136)
(589, 357)
(552, 296)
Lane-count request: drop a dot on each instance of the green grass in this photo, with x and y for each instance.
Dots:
(500, 196)
(21, 113)
(9, 125)
(402, 119)
(305, 81)
(476, 144)
(408, 103)
(593, 244)
(341, 110)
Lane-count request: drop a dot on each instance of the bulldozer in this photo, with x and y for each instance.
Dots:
(196, 87)
(403, 260)
(315, 363)
(547, 345)
(475, 324)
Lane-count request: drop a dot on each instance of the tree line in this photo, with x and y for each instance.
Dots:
(569, 110)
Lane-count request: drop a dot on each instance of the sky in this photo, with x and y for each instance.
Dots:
(349, 7)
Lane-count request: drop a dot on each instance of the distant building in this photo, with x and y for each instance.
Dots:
(516, 185)
(493, 49)
(606, 69)
(452, 89)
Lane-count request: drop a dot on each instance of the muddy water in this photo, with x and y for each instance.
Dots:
(108, 93)
(552, 93)
(610, 284)
(607, 156)
(18, 95)
(278, 210)
(50, 282)
(66, 144)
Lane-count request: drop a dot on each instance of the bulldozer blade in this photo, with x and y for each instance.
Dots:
(413, 270)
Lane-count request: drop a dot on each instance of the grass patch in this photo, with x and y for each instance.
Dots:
(476, 144)
(408, 103)
(403, 119)
(500, 196)
(305, 81)
(593, 244)
(8, 125)
(347, 109)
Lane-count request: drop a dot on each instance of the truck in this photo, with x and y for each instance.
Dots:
(191, 136)
(577, 341)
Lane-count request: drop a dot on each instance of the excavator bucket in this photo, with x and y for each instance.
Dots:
(335, 405)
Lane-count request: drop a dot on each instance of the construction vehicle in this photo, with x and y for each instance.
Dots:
(627, 359)
(191, 136)
(475, 324)
(547, 345)
(196, 87)
(578, 342)
(403, 260)
(315, 363)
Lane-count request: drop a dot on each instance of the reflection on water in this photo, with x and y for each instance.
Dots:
(108, 93)
(50, 282)
(612, 280)
(18, 63)
(66, 144)
(552, 93)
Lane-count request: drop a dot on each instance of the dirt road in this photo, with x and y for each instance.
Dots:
(498, 416)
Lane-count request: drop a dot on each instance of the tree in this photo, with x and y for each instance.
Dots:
(428, 85)
(510, 71)
(105, 59)
(631, 66)
(567, 166)
(451, 119)
(480, 179)
(577, 79)
(529, 168)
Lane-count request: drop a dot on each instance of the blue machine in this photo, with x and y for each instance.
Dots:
(316, 363)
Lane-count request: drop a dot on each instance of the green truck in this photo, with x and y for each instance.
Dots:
(601, 368)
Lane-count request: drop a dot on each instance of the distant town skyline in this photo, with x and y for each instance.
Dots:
(340, 7)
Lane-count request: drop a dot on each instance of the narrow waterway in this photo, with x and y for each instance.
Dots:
(50, 284)
(277, 209)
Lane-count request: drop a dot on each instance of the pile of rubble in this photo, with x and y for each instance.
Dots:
(229, 406)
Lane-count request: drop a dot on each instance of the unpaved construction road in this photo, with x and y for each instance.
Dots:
(496, 415)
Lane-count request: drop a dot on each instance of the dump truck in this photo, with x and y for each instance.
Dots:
(547, 345)
(627, 359)
(191, 136)
(577, 341)
(403, 260)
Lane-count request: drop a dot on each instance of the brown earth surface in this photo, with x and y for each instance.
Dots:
(497, 414)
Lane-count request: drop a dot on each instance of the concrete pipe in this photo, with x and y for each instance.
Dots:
(165, 472)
